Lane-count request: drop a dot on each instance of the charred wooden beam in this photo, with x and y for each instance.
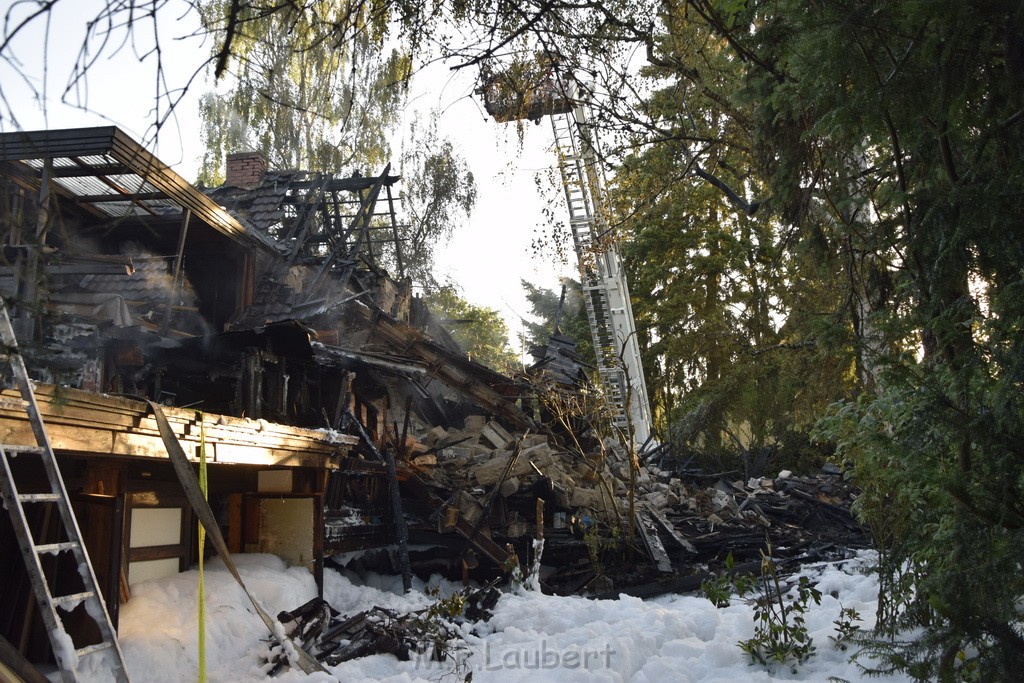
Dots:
(120, 197)
(649, 535)
(670, 529)
(91, 171)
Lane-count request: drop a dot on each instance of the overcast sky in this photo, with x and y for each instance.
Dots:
(488, 255)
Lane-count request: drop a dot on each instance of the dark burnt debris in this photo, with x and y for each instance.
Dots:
(430, 634)
(271, 302)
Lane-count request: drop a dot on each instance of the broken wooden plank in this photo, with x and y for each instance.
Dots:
(670, 530)
(649, 535)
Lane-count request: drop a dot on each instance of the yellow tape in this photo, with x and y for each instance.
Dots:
(202, 546)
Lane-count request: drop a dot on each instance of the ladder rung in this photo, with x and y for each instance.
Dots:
(61, 600)
(56, 547)
(89, 649)
(11, 449)
(13, 403)
(39, 497)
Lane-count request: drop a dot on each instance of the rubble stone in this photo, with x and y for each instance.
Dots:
(435, 435)
(494, 434)
(488, 473)
(457, 464)
(531, 440)
(723, 502)
(475, 423)
(561, 496)
(517, 527)
(658, 500)
(537, 449)
(455, 453)
(462, 437)
(587, 498)
(509, 486)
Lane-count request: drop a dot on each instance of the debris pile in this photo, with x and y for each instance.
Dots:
(483, 457)
(499, 489)
(333, 638)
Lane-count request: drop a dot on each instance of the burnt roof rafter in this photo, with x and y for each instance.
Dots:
(126, 197)
(85, 160)
(347, 184)
(86, 171)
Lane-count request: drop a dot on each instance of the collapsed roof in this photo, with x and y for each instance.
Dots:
(129, 255)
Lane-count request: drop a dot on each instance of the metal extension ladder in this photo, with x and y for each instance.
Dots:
(605, 290)
(66, 652)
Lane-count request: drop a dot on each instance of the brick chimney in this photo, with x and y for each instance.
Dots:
(245, 169)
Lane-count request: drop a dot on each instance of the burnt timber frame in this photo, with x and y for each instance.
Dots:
(130, 157)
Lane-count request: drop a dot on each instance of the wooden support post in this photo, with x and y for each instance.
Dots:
(394, 229)
(344, 406)
(401, 530)
(31, 291)
(540, 518)
(175, 278)
(251, 386)
(235, 522)
(402, 446)
(318, 544)
(396, 505)
(17, 210)
(369, 203)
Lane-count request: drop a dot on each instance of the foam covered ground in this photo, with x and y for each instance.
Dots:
(531, 637)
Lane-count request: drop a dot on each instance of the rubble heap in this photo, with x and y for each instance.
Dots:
(431, 633)
(498, 489)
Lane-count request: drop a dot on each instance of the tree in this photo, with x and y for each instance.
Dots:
(734, 366)
(307, 98)
(480, 331)
(894, 132)
(440, 189)
(309, 85)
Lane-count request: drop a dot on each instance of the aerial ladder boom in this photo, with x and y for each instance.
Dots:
(605, 289)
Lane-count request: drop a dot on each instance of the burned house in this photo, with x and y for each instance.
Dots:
(335, 413)
(256, 314)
